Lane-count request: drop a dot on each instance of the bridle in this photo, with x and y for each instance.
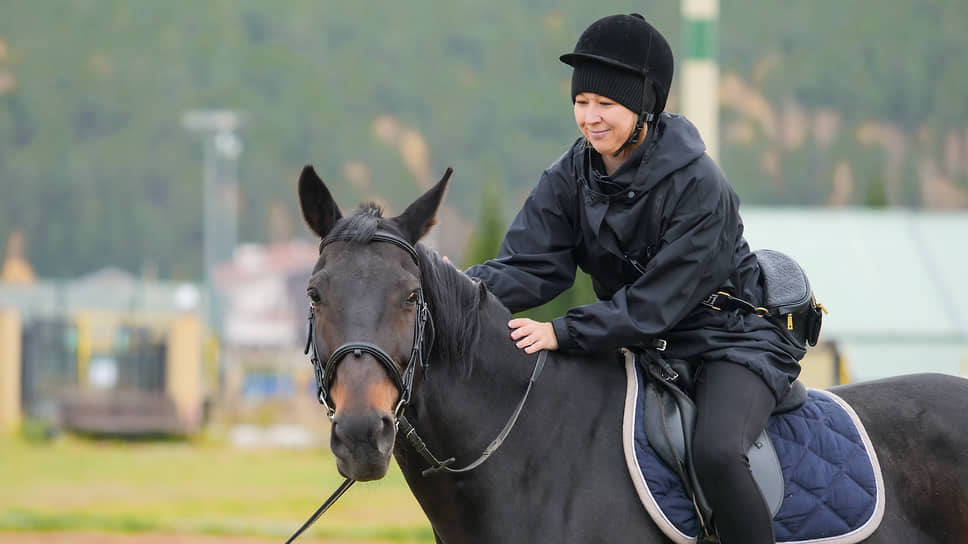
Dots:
(404, 381)
(418, 355)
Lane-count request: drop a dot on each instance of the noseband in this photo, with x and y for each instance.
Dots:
(403, 381)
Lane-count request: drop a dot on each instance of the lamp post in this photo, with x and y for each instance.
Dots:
(220, 194)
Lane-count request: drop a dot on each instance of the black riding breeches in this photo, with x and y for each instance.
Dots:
(733, 405)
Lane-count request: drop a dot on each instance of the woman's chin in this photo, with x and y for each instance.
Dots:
(604, 149)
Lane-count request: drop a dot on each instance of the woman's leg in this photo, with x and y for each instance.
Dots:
(733, 406)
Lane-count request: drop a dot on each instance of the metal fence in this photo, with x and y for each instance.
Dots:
(49, 366)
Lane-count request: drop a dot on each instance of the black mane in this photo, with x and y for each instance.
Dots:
(454, 302)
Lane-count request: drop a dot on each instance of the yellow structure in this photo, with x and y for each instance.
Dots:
(823, 366)
(15, 267)
(183, 369)
(10, 355)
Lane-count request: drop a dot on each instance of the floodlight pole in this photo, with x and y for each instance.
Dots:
(700, 70)
(220, 194)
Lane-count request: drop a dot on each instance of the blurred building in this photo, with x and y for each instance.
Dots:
(108, 353)
(891, 279)
(262, 294)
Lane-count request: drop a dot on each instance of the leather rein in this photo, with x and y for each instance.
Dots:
(419, 355)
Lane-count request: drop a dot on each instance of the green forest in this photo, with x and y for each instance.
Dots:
(822, 103)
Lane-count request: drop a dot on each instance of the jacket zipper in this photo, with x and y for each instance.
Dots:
(635, 264)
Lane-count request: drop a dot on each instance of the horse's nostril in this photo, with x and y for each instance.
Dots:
(386, 434)
(364, 431)
(388, 423)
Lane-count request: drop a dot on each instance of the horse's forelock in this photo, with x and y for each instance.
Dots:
(361, 226)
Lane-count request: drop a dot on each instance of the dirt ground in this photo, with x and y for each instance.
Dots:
(159, 538)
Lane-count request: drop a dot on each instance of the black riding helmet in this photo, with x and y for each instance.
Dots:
(626, 59)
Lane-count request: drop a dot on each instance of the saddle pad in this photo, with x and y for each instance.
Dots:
(833, 488)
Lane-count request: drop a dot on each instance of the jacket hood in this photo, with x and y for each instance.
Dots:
(670, 144)
(674, 142)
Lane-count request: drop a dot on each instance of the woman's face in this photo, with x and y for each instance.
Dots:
(606, 124)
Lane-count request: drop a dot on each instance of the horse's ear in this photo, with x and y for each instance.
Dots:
(318, 207)
(417, 219)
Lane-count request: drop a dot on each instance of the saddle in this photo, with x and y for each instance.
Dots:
(670, 416)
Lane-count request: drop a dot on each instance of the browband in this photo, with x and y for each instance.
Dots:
(377, 237)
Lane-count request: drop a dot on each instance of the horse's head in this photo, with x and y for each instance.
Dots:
(367, 312)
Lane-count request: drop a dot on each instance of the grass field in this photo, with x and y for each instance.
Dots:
(74, 484)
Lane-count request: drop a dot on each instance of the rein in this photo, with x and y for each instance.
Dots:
(404, 383)
(444, 466)
(322, 509)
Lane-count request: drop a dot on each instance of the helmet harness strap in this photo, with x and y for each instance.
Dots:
(648, 102)
(645, 116)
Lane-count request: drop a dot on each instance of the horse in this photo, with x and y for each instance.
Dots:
(412, 346)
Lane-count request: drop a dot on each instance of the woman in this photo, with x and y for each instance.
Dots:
(639, 206)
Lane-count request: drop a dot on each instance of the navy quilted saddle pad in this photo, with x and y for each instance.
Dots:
(833, 490)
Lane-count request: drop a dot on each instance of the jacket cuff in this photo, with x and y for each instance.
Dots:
(565, 341)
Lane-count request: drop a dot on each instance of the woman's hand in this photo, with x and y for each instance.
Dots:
(533, 336)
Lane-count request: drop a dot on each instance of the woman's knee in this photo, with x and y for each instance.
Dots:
(719, 460)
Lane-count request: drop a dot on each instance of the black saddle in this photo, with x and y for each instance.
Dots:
(670, 417)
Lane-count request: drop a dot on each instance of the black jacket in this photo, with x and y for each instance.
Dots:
(650, 273)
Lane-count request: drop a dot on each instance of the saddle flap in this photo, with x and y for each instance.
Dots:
(767, 472)
(670, 416)
(663, 427)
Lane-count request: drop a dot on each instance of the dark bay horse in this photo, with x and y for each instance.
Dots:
(560, 475)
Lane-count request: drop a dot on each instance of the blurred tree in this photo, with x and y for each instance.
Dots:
(487, 237)
(486, 241)
(96, 170)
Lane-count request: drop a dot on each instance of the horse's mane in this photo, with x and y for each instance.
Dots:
(454, 300)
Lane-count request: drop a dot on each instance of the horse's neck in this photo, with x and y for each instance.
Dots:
(451, 401)
(555, 435)
(459, 414)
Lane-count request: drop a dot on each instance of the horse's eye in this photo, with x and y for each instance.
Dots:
(414, 297)
(313, 296)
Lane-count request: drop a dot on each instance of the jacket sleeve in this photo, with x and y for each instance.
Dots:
(536, 260)
(695, 258)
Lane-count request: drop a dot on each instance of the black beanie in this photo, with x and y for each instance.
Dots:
(616, 50)
(622, 86)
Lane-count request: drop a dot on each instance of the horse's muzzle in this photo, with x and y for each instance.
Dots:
(362, 444)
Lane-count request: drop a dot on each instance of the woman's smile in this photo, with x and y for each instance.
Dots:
(606, 125)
